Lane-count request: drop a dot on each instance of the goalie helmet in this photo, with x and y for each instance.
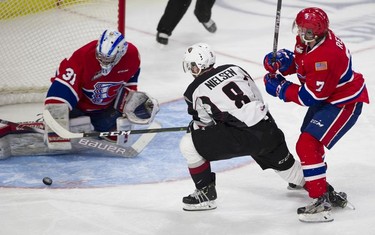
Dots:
(198, 57)
(109, 50)
(311, 23)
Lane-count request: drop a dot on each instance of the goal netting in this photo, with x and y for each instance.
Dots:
(36, 35)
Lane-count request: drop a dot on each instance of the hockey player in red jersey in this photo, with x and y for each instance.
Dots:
(92, 89)
(333, 92)
(229, 119)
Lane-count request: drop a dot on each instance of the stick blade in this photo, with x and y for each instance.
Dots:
(112, 149)
(57, 128)
(145, 139)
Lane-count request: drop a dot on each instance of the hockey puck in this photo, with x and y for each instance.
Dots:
(47, 181)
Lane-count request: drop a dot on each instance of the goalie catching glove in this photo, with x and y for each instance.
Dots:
(138, 107)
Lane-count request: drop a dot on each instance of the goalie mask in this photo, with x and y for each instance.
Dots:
(311, 24)
(198, 57)
(110, 49)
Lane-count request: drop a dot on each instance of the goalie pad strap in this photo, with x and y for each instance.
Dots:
(5, 150)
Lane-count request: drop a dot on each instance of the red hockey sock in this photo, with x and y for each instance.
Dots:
(311, 153)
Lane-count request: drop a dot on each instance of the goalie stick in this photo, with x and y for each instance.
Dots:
(92, 143)
(64, 133)
(36, 127)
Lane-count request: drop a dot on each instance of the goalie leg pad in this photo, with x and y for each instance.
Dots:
(123, 124)
(80, 124)
(60, 112)
(5, 150)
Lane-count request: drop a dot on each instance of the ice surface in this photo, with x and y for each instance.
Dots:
(250, 201)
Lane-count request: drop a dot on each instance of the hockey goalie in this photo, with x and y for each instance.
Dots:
(96, 90)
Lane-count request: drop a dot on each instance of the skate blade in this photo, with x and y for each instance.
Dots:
(204, 206)
(324, 216)
(350, 205)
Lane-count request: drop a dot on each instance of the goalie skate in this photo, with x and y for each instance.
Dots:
(318, 211)
(201, 200)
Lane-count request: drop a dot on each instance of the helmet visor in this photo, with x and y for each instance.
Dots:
(191, 67)
(306, 35)
(105, 60)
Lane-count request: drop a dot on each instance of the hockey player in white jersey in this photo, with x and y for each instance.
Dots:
(230, 119)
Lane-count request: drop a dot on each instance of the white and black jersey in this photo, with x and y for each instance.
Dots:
(226, 101)
(225, 94)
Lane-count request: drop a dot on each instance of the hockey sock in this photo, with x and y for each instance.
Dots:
(201, 175)
(311, 154)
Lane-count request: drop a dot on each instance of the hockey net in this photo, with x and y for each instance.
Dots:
(36, 35)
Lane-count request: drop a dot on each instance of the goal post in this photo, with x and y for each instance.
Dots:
(36, 35)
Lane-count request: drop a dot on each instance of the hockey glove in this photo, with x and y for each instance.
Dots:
(140, 108)
(276, 85)
(284, 59)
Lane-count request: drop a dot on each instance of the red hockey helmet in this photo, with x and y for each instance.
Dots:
(311, 23)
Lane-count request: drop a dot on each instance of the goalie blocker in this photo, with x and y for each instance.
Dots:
(134, 107)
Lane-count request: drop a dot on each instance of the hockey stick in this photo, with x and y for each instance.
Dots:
(124, 151)
(64, 133)
(37, 127)
(276, 31)
(92, 143)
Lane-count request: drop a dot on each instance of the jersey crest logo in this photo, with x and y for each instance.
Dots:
(103, 92)
(320, 66)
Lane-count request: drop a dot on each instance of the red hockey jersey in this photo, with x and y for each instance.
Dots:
(80, 84)
(326, 74)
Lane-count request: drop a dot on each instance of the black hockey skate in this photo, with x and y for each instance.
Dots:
(201, 199)
(162, 38)
(318, 211)
(338, 199)
(292, 186)
(210, 26)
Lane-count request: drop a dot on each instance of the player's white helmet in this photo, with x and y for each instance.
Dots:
(198, 57)
(109, 50)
